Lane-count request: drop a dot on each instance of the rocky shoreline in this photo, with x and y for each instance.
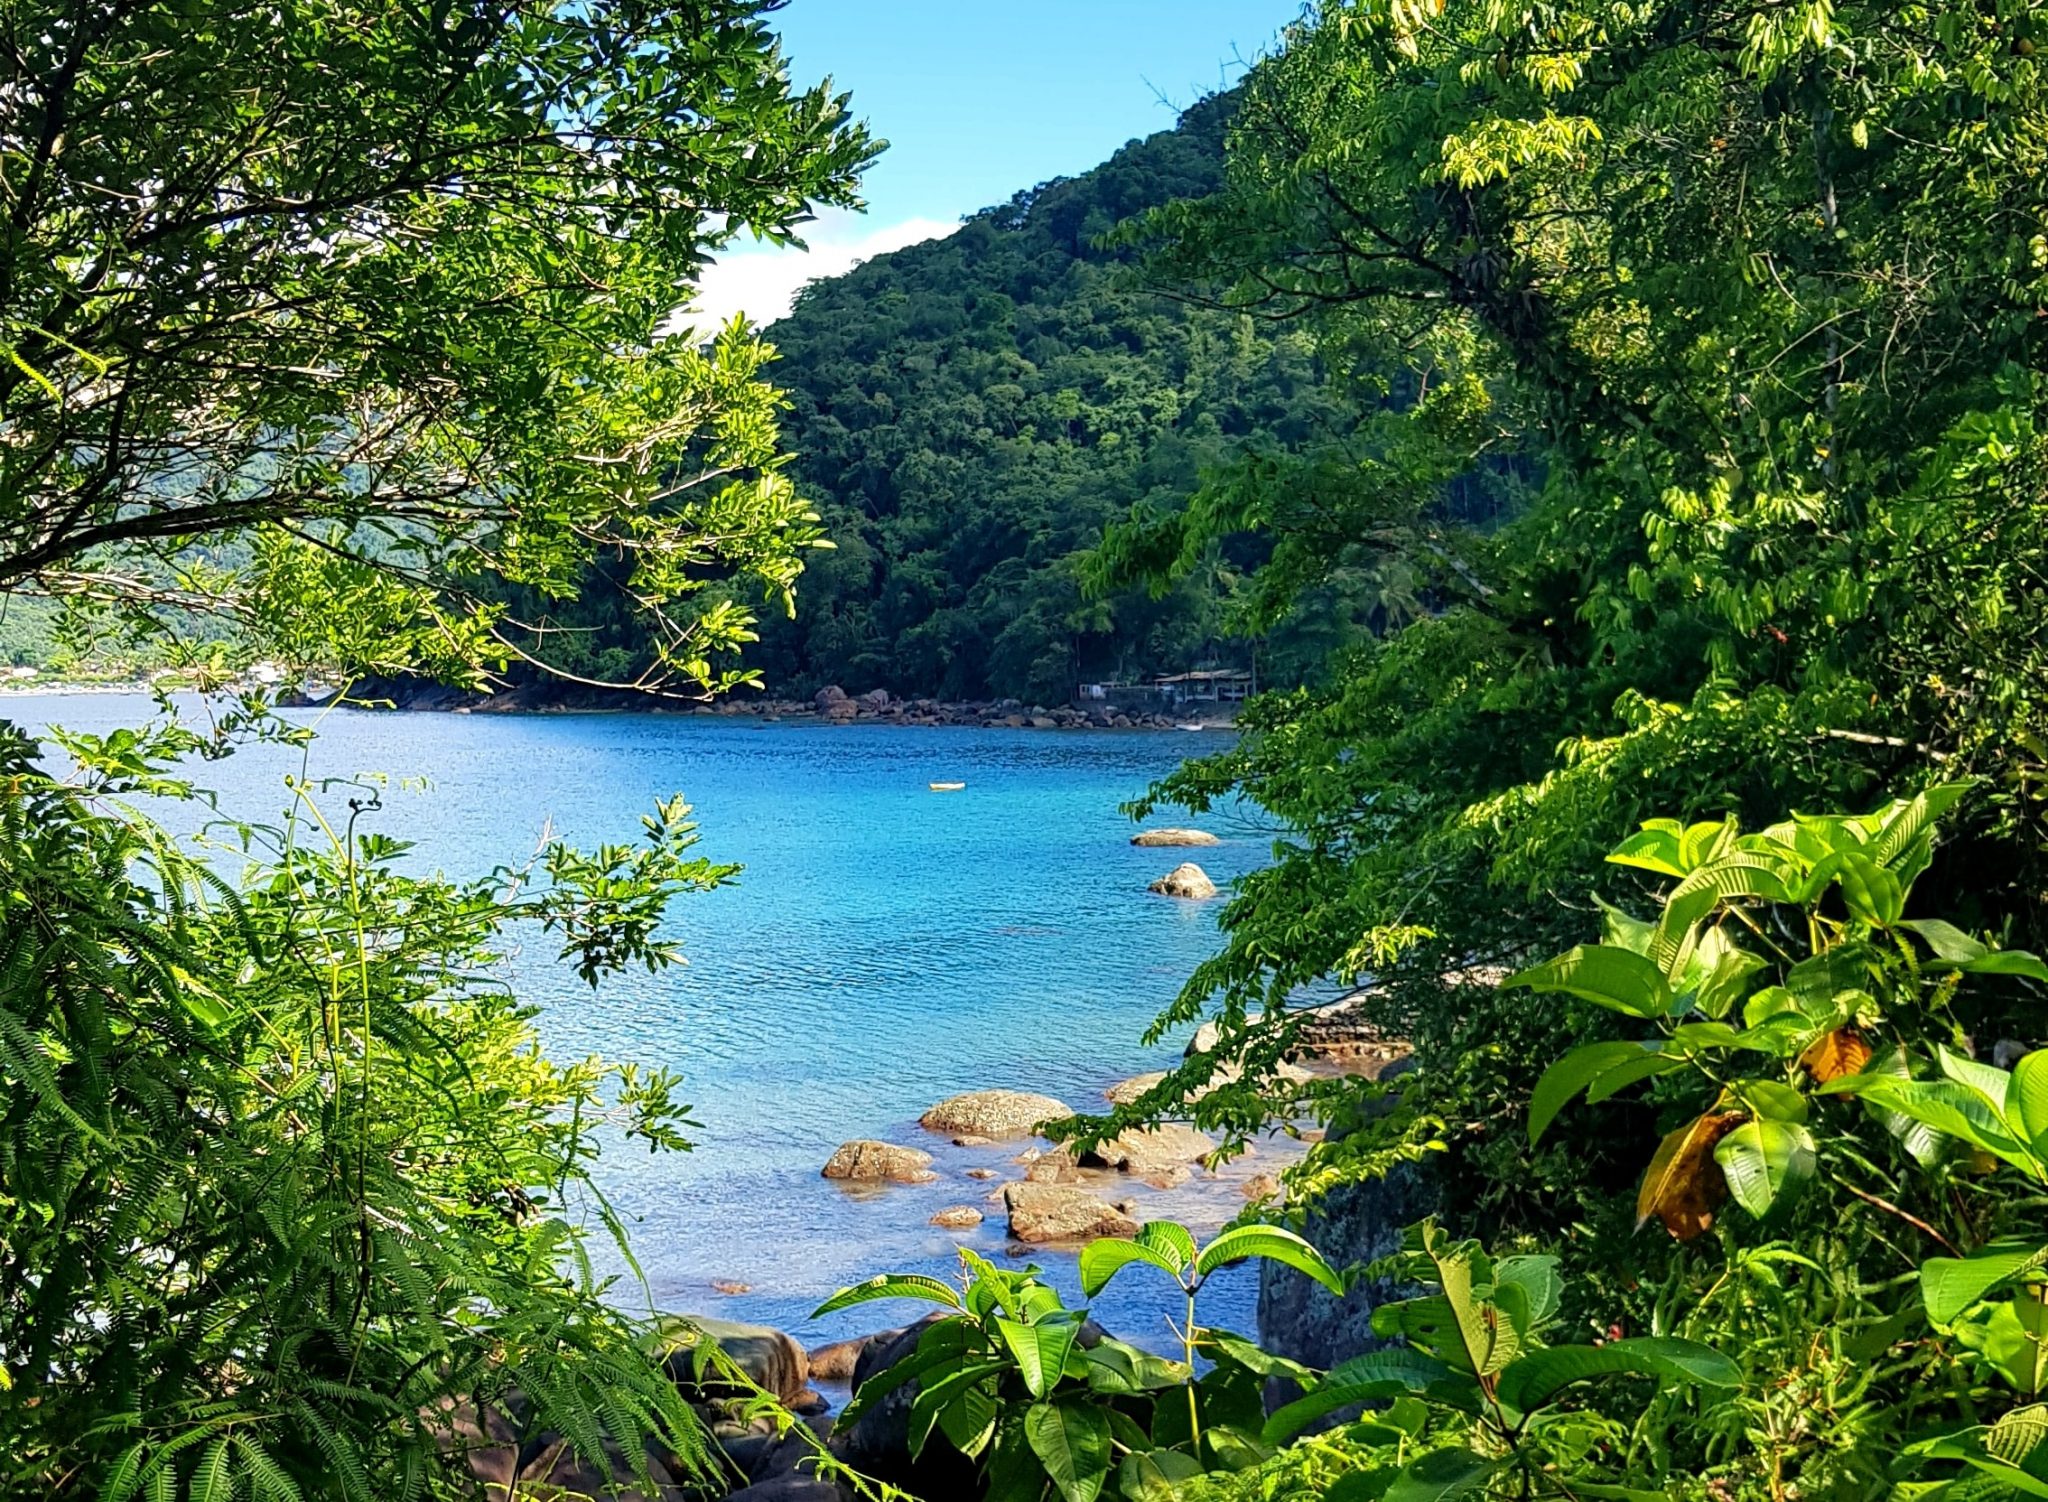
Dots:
(831, 705)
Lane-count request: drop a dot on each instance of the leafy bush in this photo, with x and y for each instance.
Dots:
(287, 1182)
(1045, 1401)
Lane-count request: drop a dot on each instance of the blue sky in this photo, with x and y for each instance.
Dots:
(979, 99)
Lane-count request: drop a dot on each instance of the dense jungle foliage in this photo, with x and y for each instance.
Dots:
(970, 413)
(1750, 297)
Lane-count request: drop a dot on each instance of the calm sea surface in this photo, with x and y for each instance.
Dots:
(884, 947)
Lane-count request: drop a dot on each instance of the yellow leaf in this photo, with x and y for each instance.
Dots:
(1684, 1183)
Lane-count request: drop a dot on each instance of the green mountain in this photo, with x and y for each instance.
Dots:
(971, 412)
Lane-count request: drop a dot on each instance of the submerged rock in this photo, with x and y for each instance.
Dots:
(1152, 838)
(1041, 1213)
(993, 1114)
(1147, 1152)
(1186, 880)
(880, 1162)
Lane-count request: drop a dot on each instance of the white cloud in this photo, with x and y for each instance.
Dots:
(763, 282)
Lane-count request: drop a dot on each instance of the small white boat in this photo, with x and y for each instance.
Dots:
(947, 787)
(1194, 727)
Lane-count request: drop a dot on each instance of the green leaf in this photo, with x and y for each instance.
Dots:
(211, 1482)
(1772, 1100)
(1104, 1259)
(1991, 1083)
(2026, 1103)
(1255, 1358)
(1534, 1379)
(1618, 979)
(1763, 1160)
(1041, 1350)
(1537, 1278)
(1440, 1476)
(969, 1421)
(1872, 893)
(1071, 1440)
(1906, 821)
(2004, 962)
(1374, 1376)
(1149, 1475)
(1946, 940)
(1654, 849)
(1122, 1370)
(1586, 1066)
(1273, 1244)
(1170, 1240)
(935, 1398)
(890, 1286)
(1950, 1286)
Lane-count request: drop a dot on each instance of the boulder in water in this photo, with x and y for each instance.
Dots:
(1185, 880)
(770, 1359)
(880, 1162)
(1152, 1151)
(957, 1217)
(1156, 837)
(1041, 1213)
(993, 1114)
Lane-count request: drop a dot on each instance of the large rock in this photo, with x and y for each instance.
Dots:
(1356, 1222)
(835, 1362)
(1157, 837)
(492, 1444)
(993, 1113)
(1185, 880)
(878, 1444)
(880, 1162)
(1130, 1091)
(829, 695)
(1041, 1213)
(796, 1486)
(770, 1359)
(1150, 1151)
(1338, 1035)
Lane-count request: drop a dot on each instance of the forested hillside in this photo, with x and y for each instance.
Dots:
(971, 413)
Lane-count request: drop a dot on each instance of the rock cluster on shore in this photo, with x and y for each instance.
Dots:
(832, 705)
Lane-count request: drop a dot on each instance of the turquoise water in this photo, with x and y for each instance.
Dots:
(885, 946)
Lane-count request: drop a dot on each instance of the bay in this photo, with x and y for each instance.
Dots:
(885, 946)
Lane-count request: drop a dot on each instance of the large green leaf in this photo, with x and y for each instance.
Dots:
(1170, 1240)
(1992, 1083)
(1950, 1286)
(1615, 978)
(2026, 1104)
(1374, 1376)
(1441, 1475)
(1871, 892)
(1587, 1066)
(890, 1286)
(1536, 1378)
(1764, 1160)
(1114, 1367)
(1906, 821)
(934, 1398)
(1041, 1350)
(1273, 1244)
(1104, 1259)
(1953, 1109)
(1150, 1475)
(1071, 1440)
(1654, 848)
